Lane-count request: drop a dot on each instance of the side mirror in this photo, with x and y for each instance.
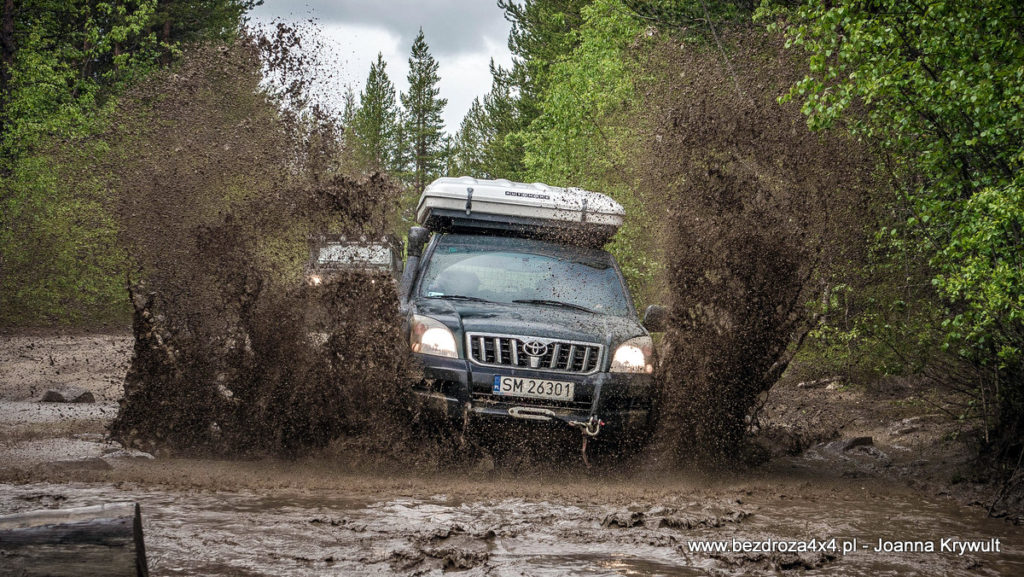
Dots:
(418, 237)
(656, 318)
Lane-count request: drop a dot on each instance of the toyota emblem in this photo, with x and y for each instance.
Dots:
(535, 348)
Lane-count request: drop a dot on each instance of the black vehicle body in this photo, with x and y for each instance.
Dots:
(494, 340)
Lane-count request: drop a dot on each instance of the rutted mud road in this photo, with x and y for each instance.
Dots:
(324, 516)
(503, 525)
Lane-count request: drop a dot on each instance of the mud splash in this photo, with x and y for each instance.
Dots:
(221, 180)
(757, 210)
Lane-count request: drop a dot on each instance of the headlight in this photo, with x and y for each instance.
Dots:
(431, 337)
(315, 280)
(634, 356)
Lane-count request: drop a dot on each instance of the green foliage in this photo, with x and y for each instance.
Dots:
(61, 259)
(349, 143)
(942, 86)
(983, 268)
(567, 142)
(63, 65)
(561, 114)
(489, 143)
(939, 87)
(66, 54)
(403, 154)
(505, 121)
(690, 13)
(585, 133)
(374, 121)
(69, 56)
(349, 107)
(542, 34)
(470, 140)
(424, 126)
(184, 22)
(886, 321)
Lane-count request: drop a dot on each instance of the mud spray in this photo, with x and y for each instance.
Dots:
(221, 183)
(756, 210)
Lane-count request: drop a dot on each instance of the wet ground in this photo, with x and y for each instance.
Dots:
(324, 515)
(508, 526)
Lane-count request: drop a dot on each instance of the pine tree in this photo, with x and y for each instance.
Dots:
(470, 141)
(448, 166)
(373, 124)
(349, 108)
(503, 150)
(543, 32)
(489, 144)
(424, 126)
(401, 170)
(348, 114)
(399, 167)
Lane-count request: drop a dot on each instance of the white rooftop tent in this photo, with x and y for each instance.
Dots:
(503, 206)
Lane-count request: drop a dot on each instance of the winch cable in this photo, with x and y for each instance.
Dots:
(588, 429)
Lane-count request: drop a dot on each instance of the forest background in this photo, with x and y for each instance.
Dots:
(878, 144)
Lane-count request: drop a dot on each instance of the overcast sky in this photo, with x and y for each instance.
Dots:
(463, 36)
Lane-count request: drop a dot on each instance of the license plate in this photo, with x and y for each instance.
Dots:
(533, 388)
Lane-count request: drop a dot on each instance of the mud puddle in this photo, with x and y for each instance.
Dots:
(499, 524)
(325, 515)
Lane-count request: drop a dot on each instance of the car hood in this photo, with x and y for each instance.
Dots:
(545, 321)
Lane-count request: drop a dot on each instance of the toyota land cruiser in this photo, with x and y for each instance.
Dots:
(516, 312)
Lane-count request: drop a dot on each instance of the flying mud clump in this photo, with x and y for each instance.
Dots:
(220, 182)
(755, 210)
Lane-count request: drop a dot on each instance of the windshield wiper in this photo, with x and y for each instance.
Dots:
(553, 303)
(461, 298)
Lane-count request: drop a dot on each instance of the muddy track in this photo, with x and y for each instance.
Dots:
(340, 513)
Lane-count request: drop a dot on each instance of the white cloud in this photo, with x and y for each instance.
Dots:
(451, 26)
(350, 49)
(465, 77)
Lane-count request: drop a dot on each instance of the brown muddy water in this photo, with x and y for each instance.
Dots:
(329, 515)
(501, 523)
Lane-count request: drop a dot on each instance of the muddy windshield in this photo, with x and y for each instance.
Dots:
(516, 270)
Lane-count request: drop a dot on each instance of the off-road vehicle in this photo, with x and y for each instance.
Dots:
(516, 313)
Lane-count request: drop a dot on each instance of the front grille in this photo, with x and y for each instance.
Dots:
(514, 351)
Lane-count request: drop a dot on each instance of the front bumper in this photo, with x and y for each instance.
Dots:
(462, 390)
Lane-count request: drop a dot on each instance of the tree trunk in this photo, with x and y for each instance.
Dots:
(82, 542)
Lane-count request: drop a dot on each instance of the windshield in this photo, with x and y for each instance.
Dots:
(514, 270)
